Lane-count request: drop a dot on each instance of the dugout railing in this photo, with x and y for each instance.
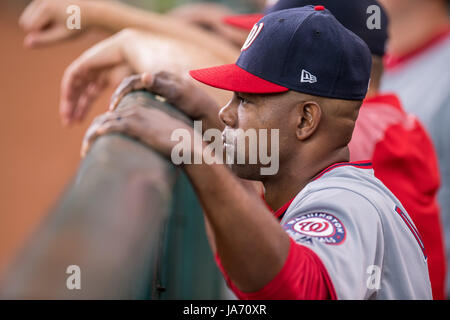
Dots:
(132, 224)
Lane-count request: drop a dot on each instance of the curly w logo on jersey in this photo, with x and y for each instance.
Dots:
(321, 226)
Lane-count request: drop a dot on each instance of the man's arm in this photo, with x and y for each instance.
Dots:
(251, 244)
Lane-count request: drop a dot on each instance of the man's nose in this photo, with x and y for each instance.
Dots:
(228, 114)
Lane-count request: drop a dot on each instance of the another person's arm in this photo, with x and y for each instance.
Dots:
(44, 21)
(129, 51)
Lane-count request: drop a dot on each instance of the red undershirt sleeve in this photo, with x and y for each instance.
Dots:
(303, 277)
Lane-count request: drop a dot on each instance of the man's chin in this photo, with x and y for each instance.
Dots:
(245, 171)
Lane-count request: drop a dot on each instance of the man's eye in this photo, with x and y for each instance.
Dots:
(243, 100)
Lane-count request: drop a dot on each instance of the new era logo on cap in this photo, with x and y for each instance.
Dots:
(308, 77)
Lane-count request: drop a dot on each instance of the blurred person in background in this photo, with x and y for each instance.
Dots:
(417, 68)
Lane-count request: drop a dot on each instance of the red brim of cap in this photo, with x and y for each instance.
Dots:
(243, 21)
(233, 78)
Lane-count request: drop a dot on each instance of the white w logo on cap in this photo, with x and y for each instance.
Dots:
(308, 77)
(252, 35)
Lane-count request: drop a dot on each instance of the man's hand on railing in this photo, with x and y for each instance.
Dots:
(149, 125)
(177, 90)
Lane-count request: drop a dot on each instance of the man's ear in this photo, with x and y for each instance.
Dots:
(309, 114)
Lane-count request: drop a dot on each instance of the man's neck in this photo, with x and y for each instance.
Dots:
(411, 31)
(296, 174)
(372, 92)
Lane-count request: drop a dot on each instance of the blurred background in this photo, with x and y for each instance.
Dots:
(39, 156)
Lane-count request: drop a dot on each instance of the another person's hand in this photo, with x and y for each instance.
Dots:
(179, 91)
(44, 21)
(86, 77)
(207, 15)
(210, 17)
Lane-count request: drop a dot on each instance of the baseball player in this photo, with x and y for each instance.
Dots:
(399, 147)
(336, 232)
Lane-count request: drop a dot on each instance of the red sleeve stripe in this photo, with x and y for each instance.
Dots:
(366, 164)
(413, 230)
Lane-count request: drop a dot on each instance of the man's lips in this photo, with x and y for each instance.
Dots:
(229, 140)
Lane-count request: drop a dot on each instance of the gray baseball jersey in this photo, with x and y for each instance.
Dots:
(361, 232)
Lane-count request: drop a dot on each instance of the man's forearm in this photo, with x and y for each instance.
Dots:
(250, 242)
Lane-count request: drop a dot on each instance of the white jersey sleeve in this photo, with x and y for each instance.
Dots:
(361, 232)
(345, 231)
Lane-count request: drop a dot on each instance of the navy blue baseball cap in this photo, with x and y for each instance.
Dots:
(302, 49)
(353, 14)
